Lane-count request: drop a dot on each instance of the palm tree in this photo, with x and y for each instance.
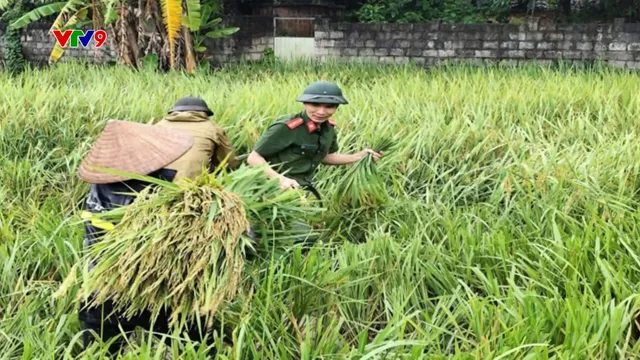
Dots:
(141, 29)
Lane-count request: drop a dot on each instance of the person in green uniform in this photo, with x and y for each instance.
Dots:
(295, 145)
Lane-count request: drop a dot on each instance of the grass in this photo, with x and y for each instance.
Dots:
(511, 234)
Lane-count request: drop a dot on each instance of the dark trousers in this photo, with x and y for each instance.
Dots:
(107, 325)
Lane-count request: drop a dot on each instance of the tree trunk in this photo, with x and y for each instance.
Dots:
(190, 61)
(126, 38)
(140, 31)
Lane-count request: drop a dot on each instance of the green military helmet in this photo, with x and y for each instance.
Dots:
(191, 103)
(322, 92)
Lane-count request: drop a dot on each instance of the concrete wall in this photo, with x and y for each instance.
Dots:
(426, 44)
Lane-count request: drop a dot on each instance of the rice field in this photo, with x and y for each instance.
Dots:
(510, 229)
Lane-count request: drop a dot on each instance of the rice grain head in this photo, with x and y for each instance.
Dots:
(175, 248)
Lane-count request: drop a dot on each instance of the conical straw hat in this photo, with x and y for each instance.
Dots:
(134, 148)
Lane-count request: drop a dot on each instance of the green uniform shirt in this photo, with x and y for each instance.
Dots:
(298, 150)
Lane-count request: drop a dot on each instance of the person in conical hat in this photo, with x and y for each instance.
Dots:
(131, 147)
(212, 146)
(137, 149)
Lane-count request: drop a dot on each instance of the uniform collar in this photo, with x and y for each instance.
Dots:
(310, 124)
(191, 116)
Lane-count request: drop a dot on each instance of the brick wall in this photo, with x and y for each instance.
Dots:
(428, 44)
(425, 44)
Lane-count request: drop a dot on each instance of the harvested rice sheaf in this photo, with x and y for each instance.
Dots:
(183, 247)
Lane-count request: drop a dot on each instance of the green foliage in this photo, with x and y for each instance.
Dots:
(205, 23)
(483, 11)
(401, 11)
(460, 11)
(607, 10)
(14, 57)
(450, 11)
(193, 15)
(268, 56)
(38, 13)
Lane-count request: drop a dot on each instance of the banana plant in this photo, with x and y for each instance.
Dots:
(151, 30)
(71, 13)
(204, 26)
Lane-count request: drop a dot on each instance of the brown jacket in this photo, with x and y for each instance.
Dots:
(211, 145)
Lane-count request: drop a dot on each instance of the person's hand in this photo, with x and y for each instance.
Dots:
(363, 153)
(286, 183)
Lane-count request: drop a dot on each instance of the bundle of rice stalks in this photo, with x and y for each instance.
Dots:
(280, 219)
(183, 247)
(360, 195)
(362, 186)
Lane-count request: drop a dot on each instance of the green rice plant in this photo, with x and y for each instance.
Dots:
(183, 246)
(363, 186)
(360, 196)
(510, 232)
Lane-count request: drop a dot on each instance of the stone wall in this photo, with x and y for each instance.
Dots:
(425, 44)
(37, 45)
(254, 36)
(428, 44)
